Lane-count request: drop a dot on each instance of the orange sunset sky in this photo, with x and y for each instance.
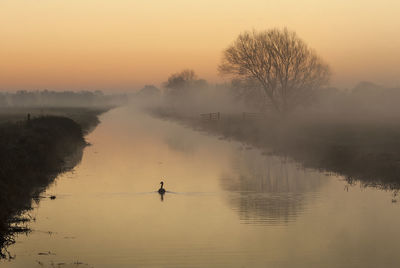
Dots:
(120, 45)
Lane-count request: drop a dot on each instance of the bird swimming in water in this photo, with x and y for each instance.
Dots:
(161, 190)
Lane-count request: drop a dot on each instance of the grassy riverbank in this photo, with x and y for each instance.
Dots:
(367, 152)
(32, 153)
(85, 117)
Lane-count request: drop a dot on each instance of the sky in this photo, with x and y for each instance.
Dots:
(121, 45)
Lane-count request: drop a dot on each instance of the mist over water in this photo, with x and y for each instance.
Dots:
(246, 185)
(228, 205)
(280, 148)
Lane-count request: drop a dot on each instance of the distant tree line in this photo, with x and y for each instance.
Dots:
(25, 98)
(274, 71)
(274, 67)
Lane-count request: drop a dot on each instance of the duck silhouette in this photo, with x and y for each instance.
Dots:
(161, 190)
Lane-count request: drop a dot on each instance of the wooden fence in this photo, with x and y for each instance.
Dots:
(210, 117)
(244, 116)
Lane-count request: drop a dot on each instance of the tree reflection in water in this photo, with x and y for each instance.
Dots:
(269, 189)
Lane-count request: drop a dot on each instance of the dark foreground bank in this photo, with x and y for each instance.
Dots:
(32, 153)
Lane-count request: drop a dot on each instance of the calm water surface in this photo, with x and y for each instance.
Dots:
(228, 206)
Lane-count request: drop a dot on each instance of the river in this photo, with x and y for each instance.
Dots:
(227, 205)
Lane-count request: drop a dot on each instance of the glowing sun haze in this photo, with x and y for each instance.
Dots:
(124, 44)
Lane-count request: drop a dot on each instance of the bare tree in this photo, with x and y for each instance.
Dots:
(280, 62)
(183, 83)
(180, 80)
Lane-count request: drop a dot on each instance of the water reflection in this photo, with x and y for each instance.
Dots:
(113, 212)
(162, 196)
(17, 221)
(269, 189)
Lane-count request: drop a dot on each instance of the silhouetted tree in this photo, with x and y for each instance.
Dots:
(182, 84)
(282, 65)
(148, 91)
(180, 80)
(249, 91)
